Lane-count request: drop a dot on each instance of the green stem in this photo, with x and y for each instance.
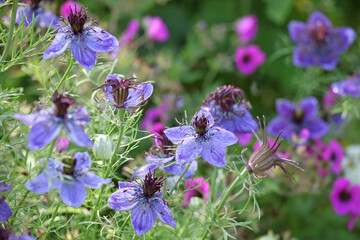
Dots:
(124, 224)
(11, 30)
(17, 210)
(222, 202)
(53, 218)
(181, 176)
(65, 75)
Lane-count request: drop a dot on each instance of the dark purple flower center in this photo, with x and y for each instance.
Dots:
(34, 4)
(333, 157)
(319, 32)
(152, 184)
(77, 20)
(226, 97)
(201, 125)
(163, 145)
(62, 103)
(345, 196)
(4, 233)
(69, 166)
(298, 116)
(246, 58)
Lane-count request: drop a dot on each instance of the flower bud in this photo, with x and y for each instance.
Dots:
(103, 147)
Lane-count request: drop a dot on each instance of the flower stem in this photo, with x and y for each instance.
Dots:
(17, 210)
(181, 176)
(65, 75)
(222, 202)
(125, 223)
(11, 31)
(53, 218)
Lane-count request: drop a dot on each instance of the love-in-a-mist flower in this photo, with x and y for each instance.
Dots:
(36, 11)
(318, 43)
(69, 6)
(145, 201)
(249, 58)
(266, 157)
(124, 92)
(203, 138)
(47, 123)
(156, 29)
(228, 105)
(71, 176)
(196, 187)
(334, 153)
(349, 87)
(293, 119)
(5, 211)
(246, 28)
(85, 41)
(162, 155)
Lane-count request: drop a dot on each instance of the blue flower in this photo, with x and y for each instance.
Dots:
(84, 41)
(34, 10)
(227, 104)
(146, 203)
(349, 87)
(46, 124)
(5, 211)
(6, 234)
(293, 119)
(202, 137)
(318, 42)
(71, 176)
(124, 93)
(162, 155)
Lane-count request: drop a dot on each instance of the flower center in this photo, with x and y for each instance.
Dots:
(34, 4)
(247, 58)
(298, 116)
(62, 103)
(152, 184)
(319, 32)
(201, 125)
(69, 166)
(226, 97)
(77, 20)
(345, 196)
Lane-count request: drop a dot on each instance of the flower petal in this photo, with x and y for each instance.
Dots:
(178, 134)
(309, 106)
(83, 54)
(57, 47)
(284, 107)
(317, 128)
(141, 172)
(281, 124)
(244, 123)
(5, 211)
(163, 212)
(139, 94)
(214, 152)
(226, 137)
(73, 194)
(40, 184)
(178, 169)
(142, 218)
(344, 37)
(296, 30)
(188, 150)
(99, 40)
(43, 133)
(77, 134)
(318, 16)
(46, 18)
(33, 118)
(122, 199)
(92, 180)
(83, 161)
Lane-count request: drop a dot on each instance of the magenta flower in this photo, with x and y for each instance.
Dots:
(334, 153)
(318, 42)
(145, 201)
(329, 98)
(244, 139)
(156, 29)
(349, 87)
(69, 6)
(196, 187)
(154, 115)
(61, 144)
(246, 28)
(249, 58)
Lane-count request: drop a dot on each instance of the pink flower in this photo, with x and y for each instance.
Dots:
(334, 153)
(154, 115)
(329, 98)
(196, 187)
(244, 139)
(156, 29)
(65, 8)
(249, 58)
(61, 144)
(246, 28)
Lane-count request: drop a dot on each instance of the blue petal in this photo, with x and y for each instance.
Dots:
(139, 94)
(206, 114)
(214, 152)
(83, 161)
(245, 123)
(43, 133)
(122, 199)
(92, 180)
(296, 30)
(46, 18)
(144, 170)
(309, 106)
(163, 212)
(83, 54)
(5, 211)
(33, 118)
(226, 137)
(330, 64)
(178, 169)
(317, 128)
(188, 150)
(158, 159)
(285, 107)
(73, 194)
(5, 187)
(82, 115)
(280, 124)
(57, 47)
(100, 41)
(178, 134)
(318, 16)
(40, 184)
(27, 12)
(142, 218)
(301, 57)
(77, 134)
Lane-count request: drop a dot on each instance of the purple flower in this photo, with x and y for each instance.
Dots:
(6, 234)
(69, 6)
(227, 104)
(146, 203)
(318, 42)
(84, 41)
(44, 18)
(344, 197)
(334, 153)
(61, 144)
(246, 28)
(244, 139)
(329, 98)
(156, 29)
(46, 124)
(125, 93)
(266, 156)
(293, 119)
(154, 115)
(71, 176)
(249, 58)
(5, 211)
(196, 187)
(162, 155)
(202, 137)
(349, 87)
